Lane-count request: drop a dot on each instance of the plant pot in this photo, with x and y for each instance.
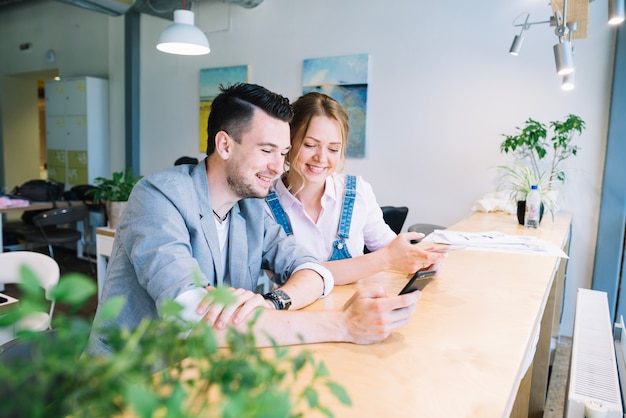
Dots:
(114, 211)
(521, 211)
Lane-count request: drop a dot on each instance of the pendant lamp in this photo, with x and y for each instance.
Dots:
(568, 82)
(616, 12)
(182, 37)
(563, 58)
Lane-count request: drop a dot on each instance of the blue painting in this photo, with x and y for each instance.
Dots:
(210, 80)
(344, 78)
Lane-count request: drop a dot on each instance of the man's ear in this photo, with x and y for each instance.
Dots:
(222, 145)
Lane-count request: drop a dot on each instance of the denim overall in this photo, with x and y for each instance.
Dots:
(340, 249)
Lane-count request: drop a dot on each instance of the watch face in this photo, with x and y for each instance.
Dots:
(285, 300)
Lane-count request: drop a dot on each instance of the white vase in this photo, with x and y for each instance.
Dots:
(114, 211)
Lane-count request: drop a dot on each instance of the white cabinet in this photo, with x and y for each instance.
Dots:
(77, 130)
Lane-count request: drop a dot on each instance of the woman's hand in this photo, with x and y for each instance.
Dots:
(407, 258)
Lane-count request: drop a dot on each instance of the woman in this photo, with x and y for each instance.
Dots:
(335, 215)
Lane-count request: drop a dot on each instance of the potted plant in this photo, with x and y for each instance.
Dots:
(114, 192)
(151, 371)
(530, 146)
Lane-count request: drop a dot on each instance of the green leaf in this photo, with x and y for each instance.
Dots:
(340, 393)
(74, 289)
(112, 307)
(142, 400)
(311, 397)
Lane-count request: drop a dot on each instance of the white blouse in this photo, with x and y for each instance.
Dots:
(366, 228)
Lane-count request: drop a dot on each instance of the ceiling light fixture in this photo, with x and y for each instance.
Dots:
(563, 53)
(519, 39)
(568, 82)
(563, 50)
(182, 37)
(616, 12)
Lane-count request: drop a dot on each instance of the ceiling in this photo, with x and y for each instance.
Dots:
(159, 8)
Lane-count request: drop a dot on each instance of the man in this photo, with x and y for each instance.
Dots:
(211, 218)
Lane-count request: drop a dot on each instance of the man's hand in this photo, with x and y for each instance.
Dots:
(369, 316)
(218, 315)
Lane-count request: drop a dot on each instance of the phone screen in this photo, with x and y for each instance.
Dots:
(418, 282)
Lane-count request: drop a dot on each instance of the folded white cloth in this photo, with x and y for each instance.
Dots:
(7, 202)
(494, 202)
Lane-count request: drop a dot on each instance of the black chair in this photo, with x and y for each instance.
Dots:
(52, 227)
(395, 216)
(424, 228)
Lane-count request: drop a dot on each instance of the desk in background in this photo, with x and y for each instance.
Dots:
(104, 246)
(467, 349)
(7, 333)
(37, 206)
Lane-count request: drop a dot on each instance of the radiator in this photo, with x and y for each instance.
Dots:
(593, 378)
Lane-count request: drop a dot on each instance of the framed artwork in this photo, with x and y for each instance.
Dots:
(344, 78)
(210, 81)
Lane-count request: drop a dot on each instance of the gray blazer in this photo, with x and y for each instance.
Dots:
(167, 233)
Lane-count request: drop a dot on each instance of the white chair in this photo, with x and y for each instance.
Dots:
(47, 272)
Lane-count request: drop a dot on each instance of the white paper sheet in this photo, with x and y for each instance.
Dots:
(495, 241)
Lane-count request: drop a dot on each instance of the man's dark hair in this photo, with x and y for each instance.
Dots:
(233, 108)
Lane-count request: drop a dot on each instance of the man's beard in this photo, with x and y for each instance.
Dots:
(243, 188)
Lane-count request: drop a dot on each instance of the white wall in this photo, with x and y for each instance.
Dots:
(442, 90)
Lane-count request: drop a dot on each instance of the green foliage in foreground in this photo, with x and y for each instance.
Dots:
(201, 380)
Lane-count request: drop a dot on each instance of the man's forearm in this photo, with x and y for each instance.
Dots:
(303, 287)
(293, 327)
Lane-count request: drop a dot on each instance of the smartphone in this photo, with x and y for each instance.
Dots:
(419, 281)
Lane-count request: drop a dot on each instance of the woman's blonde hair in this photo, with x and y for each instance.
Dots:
(305, 108)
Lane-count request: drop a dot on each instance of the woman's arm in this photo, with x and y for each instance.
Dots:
(399, 255)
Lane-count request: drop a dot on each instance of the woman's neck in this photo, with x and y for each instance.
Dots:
(310, 195)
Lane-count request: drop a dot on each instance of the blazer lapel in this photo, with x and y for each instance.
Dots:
(237, 249)
(206, 219)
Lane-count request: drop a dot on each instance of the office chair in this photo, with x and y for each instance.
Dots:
(395, 216)
(49, 232)
(47, 272)
(424, 228)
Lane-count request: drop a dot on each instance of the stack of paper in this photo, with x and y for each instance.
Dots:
(495, 241)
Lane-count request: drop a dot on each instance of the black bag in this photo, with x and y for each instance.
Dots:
(40, 190)
(79, 192)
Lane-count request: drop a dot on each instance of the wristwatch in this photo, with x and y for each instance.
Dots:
(280, 299)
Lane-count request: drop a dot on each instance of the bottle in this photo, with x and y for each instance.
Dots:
(533, 204)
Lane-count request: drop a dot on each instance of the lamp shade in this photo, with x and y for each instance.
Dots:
(182, 37)
(563, 58)
(616, 12)
(568, 81)
(516, 45)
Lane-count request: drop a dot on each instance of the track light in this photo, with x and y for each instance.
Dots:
(616, 12)
(182, 37)
(518, 40)
(563, 58)
(568, 82)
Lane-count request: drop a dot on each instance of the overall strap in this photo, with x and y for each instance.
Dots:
(346, 210)
(278, 211)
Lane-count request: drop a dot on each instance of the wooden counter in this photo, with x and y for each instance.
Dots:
(468, 347)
